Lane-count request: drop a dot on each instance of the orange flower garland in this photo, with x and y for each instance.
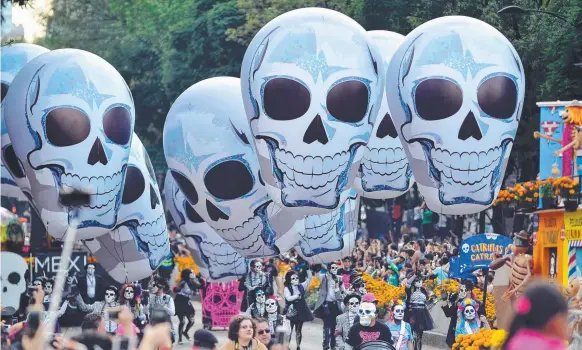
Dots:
(383, 291)
(483, 339)
(530, 191)
(452, 286)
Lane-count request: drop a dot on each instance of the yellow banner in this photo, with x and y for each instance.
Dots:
(550, 227)
(573, 225)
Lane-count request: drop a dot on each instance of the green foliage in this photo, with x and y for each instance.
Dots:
(161, 47)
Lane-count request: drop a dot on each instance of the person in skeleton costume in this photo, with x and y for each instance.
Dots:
(357, 284)
(416, 309)
(328, 305)
(451, 307)
(157, 296)
(256, 279)
(469, 322)
(90, 285)
(274, 317)
(346, 320)
(401, 330)
(257, 308)
(296, 309)
(184, 309)
(130, 297)
(368, 329)
(100, 307)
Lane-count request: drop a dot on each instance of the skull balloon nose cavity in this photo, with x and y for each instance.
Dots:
(97, 154)
(470, 128)
(215, 213)
(316, 132)
(153, 197)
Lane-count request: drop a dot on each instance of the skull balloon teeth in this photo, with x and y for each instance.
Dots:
(393, 169)
(105, 188)
(151, 238)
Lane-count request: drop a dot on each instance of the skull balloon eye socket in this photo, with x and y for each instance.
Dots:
(13, 163)
(4, 90)
(192, 214)
(285, 99)
(497, 97)
(348, 101)
(437, 99)
(186, 187)
(229, 180)
(67, 127)
(134, 185)
(117, 125)
(13, 278)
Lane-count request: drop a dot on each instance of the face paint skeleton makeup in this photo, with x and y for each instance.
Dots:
(398, 312)
(129, 293)
(469, 313)
(295, 280)
(271, 306)
(110, 296)
(353, 305)
(333, 269)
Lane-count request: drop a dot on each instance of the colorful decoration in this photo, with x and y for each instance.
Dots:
(481, 340)
(220, 302)
(383, 291)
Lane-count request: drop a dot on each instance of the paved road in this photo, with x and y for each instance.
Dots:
(312, 333)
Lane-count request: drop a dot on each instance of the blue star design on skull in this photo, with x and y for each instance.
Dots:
(71, 80)
(13, 63)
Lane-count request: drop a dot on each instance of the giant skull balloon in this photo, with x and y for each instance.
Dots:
(215, 258)
(312, 88)
(14, 180)
(330, 236)
(384, 171)
(456, 92)
(71, 113)
(208, 150)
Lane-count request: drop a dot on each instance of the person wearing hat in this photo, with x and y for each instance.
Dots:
(345, 321)
(328, 305)
(450, 306)
(521, 265)
(204, 340)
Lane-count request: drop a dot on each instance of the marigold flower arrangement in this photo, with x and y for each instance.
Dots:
(451, 286)
(90, 259)
(383, 291)
(530, 191)
(315, 283)
(481, 340)
(565, 186)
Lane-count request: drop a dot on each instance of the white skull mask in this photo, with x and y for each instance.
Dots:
(207, 147)
(330, 236)
(457, 100)
(260, 297)
(367, 313)
(141, 216)
(48, 287)
(417, 283)
(258, 267)
(295, 280)
(15, 184)
(469, 313)
(398, 312)
(333, 269)
(216, 259)
(465, 248)
(312, 90)
(384, 171)
(71, 102)
(271, 306)
(462, 292)
(128, 293)
(12, 280)
(110, 296)
(353, 305)
(37, 283)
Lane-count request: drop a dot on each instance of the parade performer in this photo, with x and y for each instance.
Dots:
(416, 309)
(368, 329)
(401, 330)
(256, 279)
(157, 296)
(451, 307)
(130, 297)
(90, 285)
(296, 309)
(257, 308)
(274, 317)
(100, 307)
(184, 308)
(345, 321)
(328, 306)
(469, 323)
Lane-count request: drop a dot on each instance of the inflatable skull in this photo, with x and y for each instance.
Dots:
(206, 143)
(141, 215)
(15, 184)
(312, 89)
(457, 101)
(74, 115)
(384, 171)
(220, 261)
(331, 236)
(13, 281)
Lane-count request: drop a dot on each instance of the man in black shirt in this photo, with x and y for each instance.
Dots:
(368, 330)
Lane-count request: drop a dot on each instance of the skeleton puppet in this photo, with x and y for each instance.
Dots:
(74, 116)
(456, 91)
(521, 265)
(312, 89)
(207, 143)
(15, 184)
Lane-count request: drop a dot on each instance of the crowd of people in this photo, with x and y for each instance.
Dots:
(279, 298)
